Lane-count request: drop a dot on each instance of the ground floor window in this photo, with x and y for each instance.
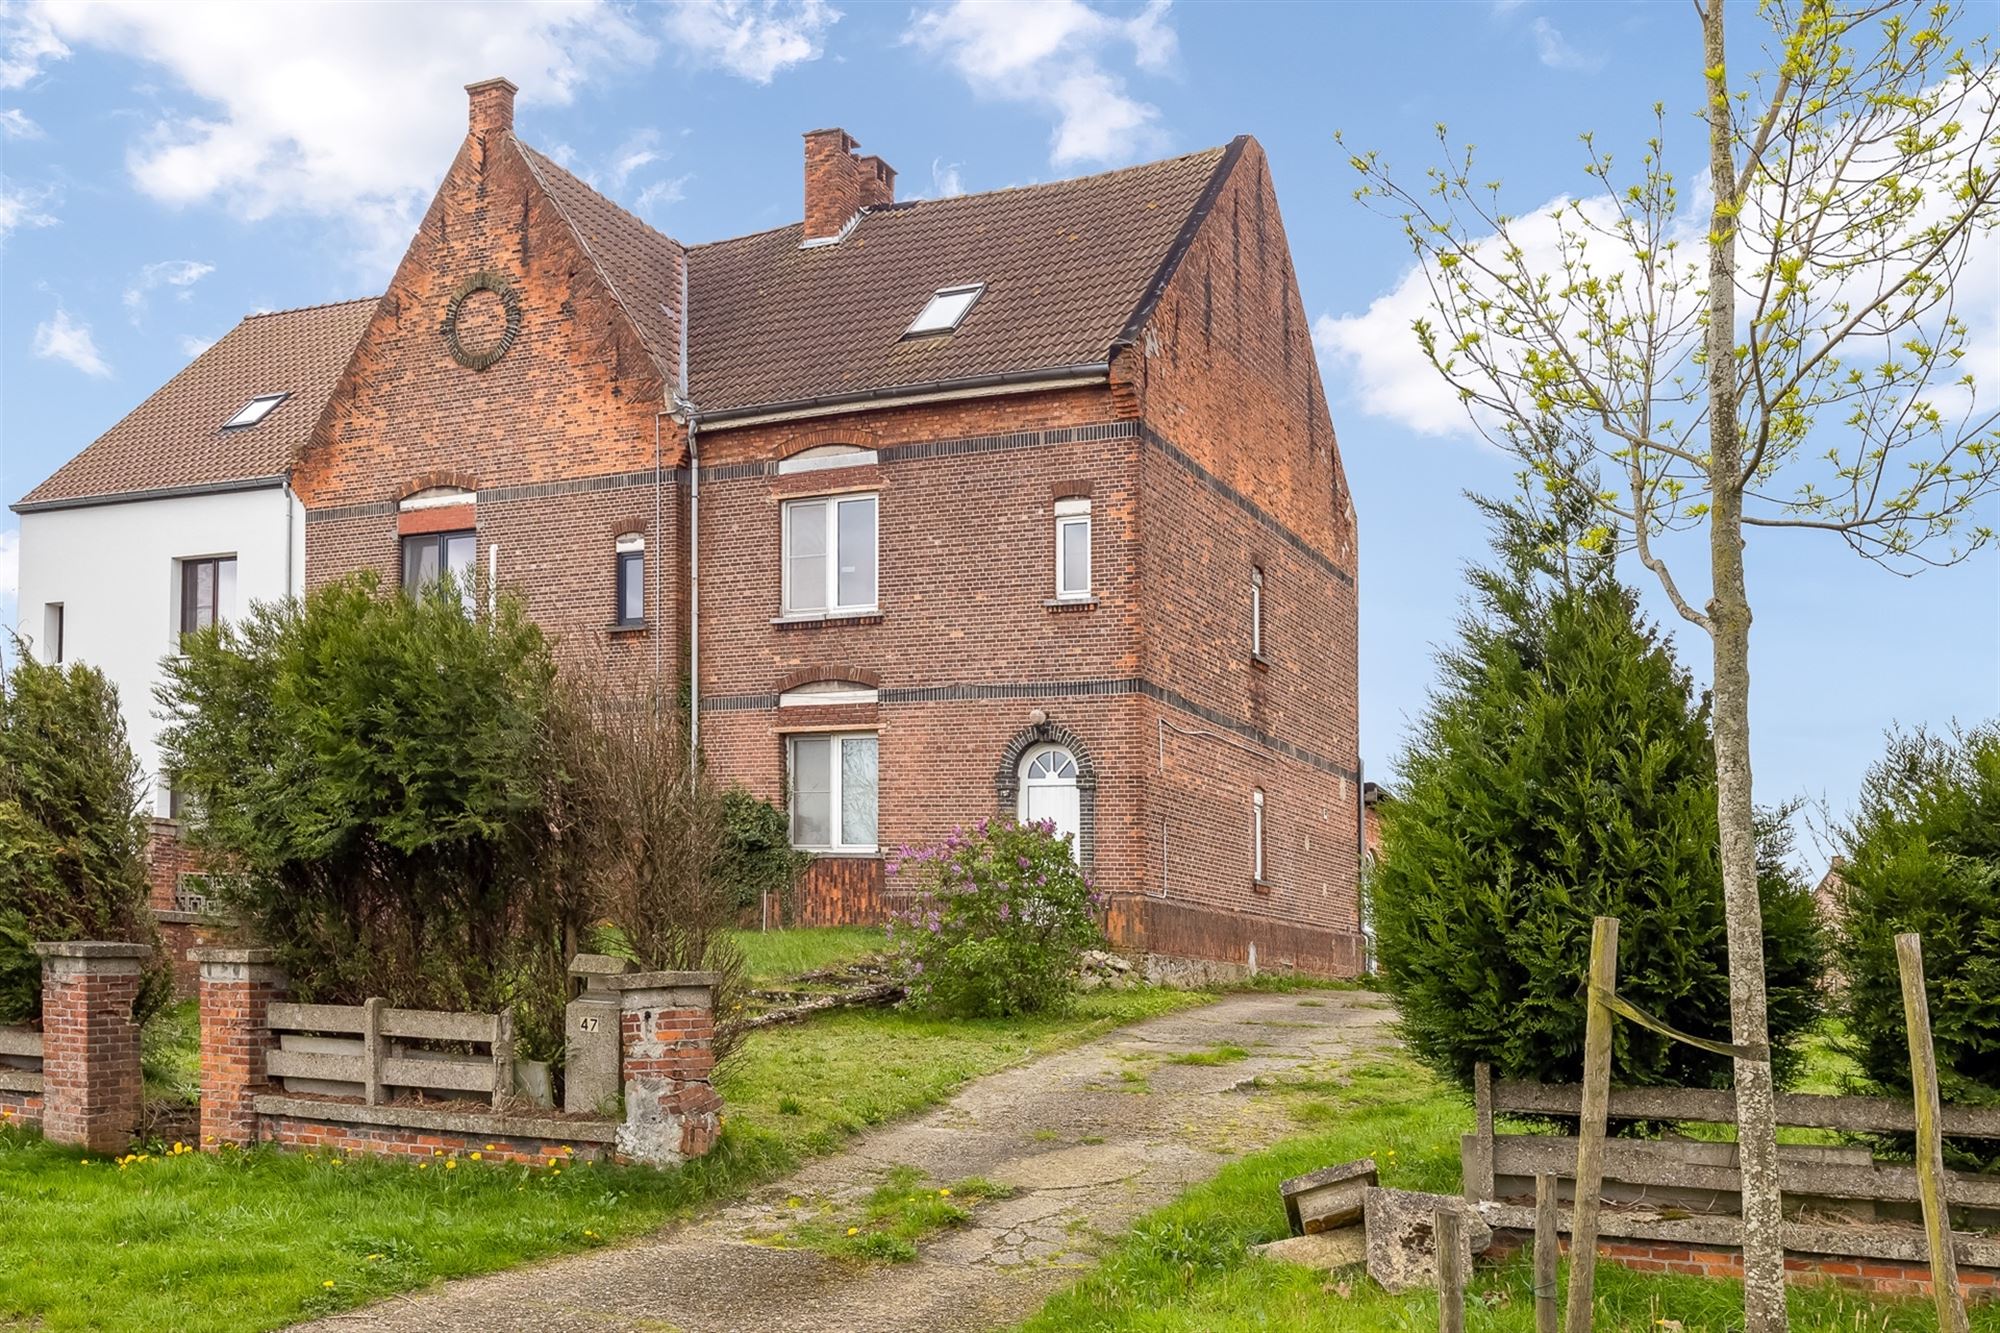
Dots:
(833, 791)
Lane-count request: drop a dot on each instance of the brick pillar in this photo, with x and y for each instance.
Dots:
(667, 1059)
(238, 987)
(90, 1042)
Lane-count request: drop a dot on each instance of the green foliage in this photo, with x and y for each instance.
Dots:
(72, 835)
(999, 922)
(1923, 855)
(757, 855)
(1564, 770)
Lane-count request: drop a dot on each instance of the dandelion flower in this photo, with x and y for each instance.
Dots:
(854, 1231)
(423, 1166)
(451, 1166)
(475, 1156)
(944, 1194)
(328, 1284)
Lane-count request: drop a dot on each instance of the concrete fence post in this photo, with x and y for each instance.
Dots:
(237, 989)
(90, 1042)
(667, 1064)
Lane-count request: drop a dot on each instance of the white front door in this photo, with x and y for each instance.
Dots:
(1048, 792)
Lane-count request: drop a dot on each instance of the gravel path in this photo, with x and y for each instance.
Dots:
(1089, 1139)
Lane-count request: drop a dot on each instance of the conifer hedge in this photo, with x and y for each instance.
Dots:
(1563, 769)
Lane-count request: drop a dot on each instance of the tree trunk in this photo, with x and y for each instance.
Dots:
(1729, 625)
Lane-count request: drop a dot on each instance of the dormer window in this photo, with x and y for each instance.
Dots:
(255, 411)
(945, 310)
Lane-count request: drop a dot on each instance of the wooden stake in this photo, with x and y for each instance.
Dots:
(1590, 1125)
(1447, 1229)
(1930, 1142)
(1547, 1246)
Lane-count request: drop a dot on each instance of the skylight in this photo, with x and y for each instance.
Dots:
(255, 411)
(945, 309)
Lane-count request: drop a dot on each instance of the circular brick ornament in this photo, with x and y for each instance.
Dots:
(483, 319)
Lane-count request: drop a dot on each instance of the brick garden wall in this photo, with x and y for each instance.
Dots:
(304, 1134)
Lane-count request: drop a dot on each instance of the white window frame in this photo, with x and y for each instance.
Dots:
(628, 545)
(1257, 836)
(838, 741)
(946, 310)
(252, 413)
(55, 624)
(830, 592)
(1256, 611)
(1070, 514)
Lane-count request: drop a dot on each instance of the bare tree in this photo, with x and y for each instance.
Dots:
(1793, 360)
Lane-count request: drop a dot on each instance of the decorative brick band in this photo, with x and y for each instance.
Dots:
(957, 448)
(538, 490)
(90, 1042)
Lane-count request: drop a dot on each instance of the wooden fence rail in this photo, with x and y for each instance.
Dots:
(378, 1062)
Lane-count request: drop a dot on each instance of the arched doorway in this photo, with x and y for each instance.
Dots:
(1049, 791)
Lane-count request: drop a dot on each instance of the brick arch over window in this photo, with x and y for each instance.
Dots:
(813, 675)
(1007, 780)
(440, 479)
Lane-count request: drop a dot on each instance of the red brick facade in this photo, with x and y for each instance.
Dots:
(1205, 454)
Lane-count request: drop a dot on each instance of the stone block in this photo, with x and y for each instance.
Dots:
(1401, 1228)
(1328, 1198)
(1342, 1247)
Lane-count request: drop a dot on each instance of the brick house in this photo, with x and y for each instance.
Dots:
(1021, 503)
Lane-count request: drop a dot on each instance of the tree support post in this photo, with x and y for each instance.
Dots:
(1590, 1125)
(1950, 1301)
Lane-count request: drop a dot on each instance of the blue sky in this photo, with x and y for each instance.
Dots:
(166, 169)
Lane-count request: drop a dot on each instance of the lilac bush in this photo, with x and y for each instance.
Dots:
(1000, 916)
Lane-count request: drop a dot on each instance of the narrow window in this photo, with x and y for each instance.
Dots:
(833, 792)
(428, 557)
(254, 411)
(1256, 612)
(1072, 549)
(631, 580)
(52, 633)
(1257, 835)
(208, 592)
(829, 556)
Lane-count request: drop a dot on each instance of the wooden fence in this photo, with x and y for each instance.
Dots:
(371, 1050)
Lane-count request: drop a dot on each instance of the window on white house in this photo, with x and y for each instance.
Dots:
(833, 791)
(1257, 835)
(829, 555)
(429, 556)
(1072, 548)
(1256, 612)
(52, 633)
(208, 592)
(255, 411)
(631, 580)
(945, 310)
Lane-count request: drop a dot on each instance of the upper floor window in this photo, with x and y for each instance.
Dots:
(208, 591)
(52, 633)
(833, 791)
(1256, 612)
(1072, 548)
(631, 579)
(1257, 835)
(829, 555)
(255, 411)
(429, 556)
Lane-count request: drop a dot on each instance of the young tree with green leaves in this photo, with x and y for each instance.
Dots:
(1793, 360)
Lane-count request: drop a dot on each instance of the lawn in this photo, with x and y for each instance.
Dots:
(776, 955)
(1188, 1266)
(255, 1240)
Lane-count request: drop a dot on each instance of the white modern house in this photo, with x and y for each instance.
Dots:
(182, 514)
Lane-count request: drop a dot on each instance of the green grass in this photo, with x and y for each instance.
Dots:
(1188, 1266)
(900, 1214)
(778, 955)
(1214, 1055)
(170, 1054)
(249, 1240)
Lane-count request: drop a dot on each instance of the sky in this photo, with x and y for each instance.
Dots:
(167, 169)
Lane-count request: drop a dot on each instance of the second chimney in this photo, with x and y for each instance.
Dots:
(492, 106)
(839, 184)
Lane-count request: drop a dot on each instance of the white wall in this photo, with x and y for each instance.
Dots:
(115, 569)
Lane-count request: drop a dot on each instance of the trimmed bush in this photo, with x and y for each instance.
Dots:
(1923, 855)
(72, 831)
(1563, 769)
(1000, 919)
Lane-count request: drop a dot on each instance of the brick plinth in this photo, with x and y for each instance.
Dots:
(313, 1135)
(90, 1042)
(667, 1050)
(237, 987)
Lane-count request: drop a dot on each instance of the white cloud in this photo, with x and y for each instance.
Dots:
(945, 179)
(1052, 53)
(640, 150)
(194, 346)
(1556, 52)
(662, 194)
(60, 338)
(341, 111)
(752, 39)
(179, 273)
(26, 43)
(24, 206)
(15, 124)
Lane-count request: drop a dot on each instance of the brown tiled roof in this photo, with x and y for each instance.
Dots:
(175, 438)
(1066, 267)
(641, 265)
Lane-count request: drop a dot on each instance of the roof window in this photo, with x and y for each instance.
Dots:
(945, 310)
(255, 411)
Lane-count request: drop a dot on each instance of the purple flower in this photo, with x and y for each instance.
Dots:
(917, 967)
(1023, 862)
(934, 927)
(985, 826)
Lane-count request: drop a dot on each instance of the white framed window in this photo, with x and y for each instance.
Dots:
(1257, 835)
(254, 411)
(944, 311)
(833, 791)
(1256, 612)
(1072, 549)
(829, 555)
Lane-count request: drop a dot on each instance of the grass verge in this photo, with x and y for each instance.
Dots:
(1188, 1266)
(255, 1240)
(776, 955)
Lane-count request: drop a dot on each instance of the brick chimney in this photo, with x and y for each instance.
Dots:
(839, 184)
(492, 106)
